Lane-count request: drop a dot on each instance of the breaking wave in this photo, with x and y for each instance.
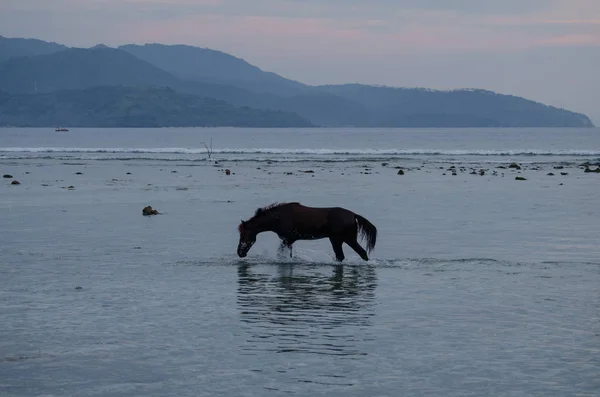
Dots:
(308, 152)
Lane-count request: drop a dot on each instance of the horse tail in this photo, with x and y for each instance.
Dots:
(367, 231)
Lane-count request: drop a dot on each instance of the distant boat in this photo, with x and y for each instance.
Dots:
(61, 129)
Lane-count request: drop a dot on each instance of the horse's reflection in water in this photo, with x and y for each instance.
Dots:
(306, 308)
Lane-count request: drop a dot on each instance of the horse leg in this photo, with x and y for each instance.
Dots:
(284, 244)
(353, 243)
(336, 243)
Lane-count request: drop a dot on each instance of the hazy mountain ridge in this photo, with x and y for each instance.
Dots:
(212, 66)
(215, 74)
(17, 47)
(126, 106)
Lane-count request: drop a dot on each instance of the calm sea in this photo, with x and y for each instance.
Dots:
(480, 284)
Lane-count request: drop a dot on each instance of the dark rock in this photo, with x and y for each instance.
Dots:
(482, 172)
(501, 166)
(15, 182)
(384, 164)
(26, 172)
(8, 176)
(79, 288)
(473, 173)
(227, 172)
(79, 173)
(454, 173)
(520, 178)
(550, 174)
(308, 172)
(558, 167)
(149, 211)
(400, 172)
(173, 172)
(289, 173)
(129, 173)
(515, 166)
(588, 169)
(564, 173)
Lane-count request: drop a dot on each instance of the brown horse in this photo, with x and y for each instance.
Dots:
(293, 221)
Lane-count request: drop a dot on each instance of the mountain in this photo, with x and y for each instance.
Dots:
(214, 74)
(17, 47)
(211, 66)
(78, 68)
(122, 106)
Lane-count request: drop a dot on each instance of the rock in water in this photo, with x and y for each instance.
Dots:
(8, 176)
(400, 172)
(588, 169)
(149, 211)
(520, 178)
(15, 182)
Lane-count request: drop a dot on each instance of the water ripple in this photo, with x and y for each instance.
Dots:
(306, 310)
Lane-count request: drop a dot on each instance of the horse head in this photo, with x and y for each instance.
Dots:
(247, 238)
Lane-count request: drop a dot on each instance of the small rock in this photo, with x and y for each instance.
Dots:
(227, 172)
(79, 173)
(129, 173)
(515, 166)
(400, 172)
(289, 173)
(308, 171)
(520, 178)
(384, 164)
(149, 211)
(26, 172)
(7, 176)
(15, 182)
(454, 174)
(78, 287)
(588, 169)
(173, 172)
(550, 174)
(564, 173)
(482, 172)
(558, 167)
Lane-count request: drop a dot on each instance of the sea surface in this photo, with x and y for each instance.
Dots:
(479, 285)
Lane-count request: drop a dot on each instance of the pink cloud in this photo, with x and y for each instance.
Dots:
(327, 36)
(572, 40)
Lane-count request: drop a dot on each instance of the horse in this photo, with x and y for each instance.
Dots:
(294, 221)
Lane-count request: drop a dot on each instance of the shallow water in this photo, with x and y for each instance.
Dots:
(479, 285)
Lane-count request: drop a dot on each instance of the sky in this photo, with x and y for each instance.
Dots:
(544, 50)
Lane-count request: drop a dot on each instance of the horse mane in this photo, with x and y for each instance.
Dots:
(263, 210)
